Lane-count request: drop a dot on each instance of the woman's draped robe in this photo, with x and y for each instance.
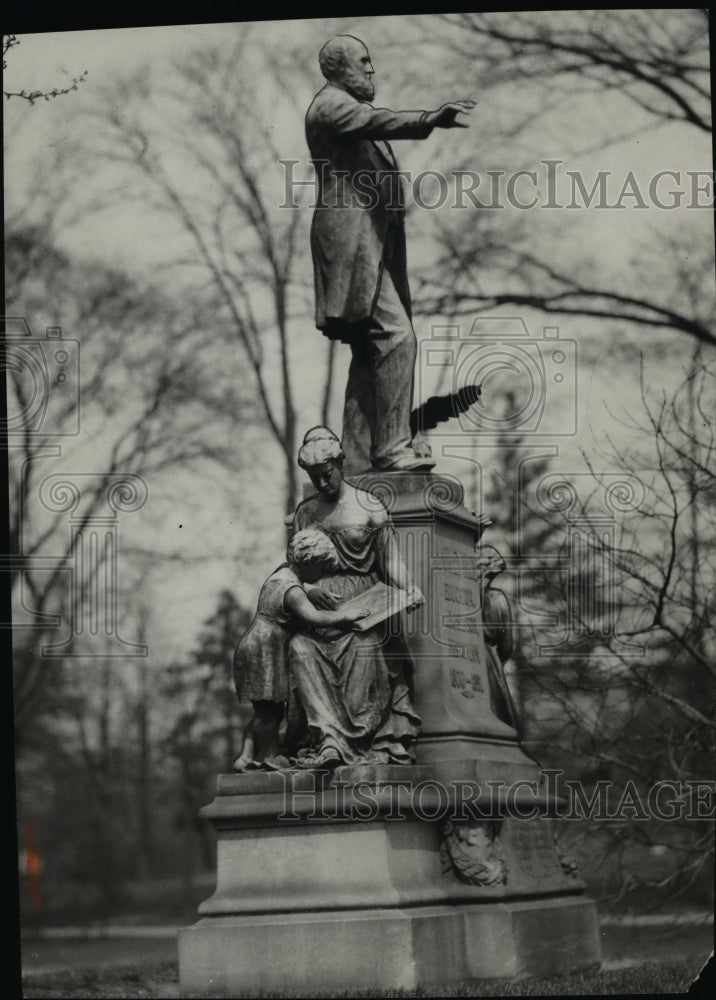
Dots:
(355, 687)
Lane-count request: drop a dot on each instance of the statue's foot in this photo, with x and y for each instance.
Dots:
(242, 763)
(320, 757)
(421, 447)
(277, 763)
(409, 462)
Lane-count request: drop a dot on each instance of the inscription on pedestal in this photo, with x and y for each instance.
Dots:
(467, 684)
(532, 848)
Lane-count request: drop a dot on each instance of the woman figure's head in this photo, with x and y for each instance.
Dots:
(321, 455)
(311, 554)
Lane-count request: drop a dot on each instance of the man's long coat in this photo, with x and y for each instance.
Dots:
(357, 228)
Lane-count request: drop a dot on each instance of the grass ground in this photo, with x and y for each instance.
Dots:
(650, 959)
(161, 981)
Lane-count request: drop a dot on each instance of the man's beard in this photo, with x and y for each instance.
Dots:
(357, 84)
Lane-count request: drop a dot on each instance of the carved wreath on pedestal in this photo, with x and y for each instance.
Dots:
(472, 851)
(569, 865)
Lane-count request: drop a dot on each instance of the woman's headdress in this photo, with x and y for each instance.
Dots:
(319, 445)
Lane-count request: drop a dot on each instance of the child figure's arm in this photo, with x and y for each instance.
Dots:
(321, 598)
(301, 608)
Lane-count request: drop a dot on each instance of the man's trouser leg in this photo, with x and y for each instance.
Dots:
(393, 348)
(379, 392)
(359, 408)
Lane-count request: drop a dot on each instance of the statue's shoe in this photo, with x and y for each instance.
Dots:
(420, 446)
(242, 764)
(406, 463)
(277, 763)
(319, 757)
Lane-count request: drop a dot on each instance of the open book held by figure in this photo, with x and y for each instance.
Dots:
(381, 601)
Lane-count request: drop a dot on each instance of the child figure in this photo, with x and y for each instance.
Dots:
(261, 657)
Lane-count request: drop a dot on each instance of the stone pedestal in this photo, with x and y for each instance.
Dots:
(388, 876)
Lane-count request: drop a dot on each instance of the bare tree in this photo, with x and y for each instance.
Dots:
(658, 59)
(9, 42)
(138, 396)
(239, 245)
(553, 293)
(630, 699)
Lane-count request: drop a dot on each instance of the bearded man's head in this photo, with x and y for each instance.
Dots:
(345, 62)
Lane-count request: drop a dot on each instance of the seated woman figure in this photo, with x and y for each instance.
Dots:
(355, 688)
(261, 656)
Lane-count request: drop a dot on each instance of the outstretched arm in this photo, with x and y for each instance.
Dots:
(344, 115)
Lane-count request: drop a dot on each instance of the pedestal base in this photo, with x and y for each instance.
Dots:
(387, 948)
(384, 877)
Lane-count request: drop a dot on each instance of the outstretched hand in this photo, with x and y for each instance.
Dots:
(446, 116)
